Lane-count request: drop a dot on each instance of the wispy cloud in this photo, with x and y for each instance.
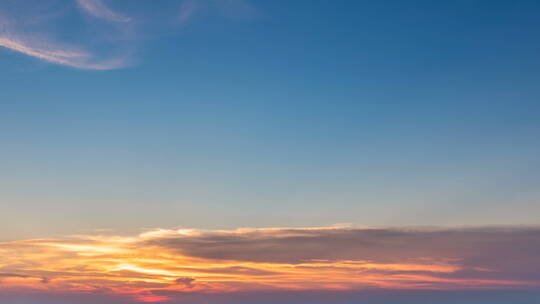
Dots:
(106, 41)
(164, 264)
(187, 10)
(234, 9)
(98, 9)
(30, 35)
(58, 53)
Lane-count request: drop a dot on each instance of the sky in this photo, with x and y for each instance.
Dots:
(220, 151)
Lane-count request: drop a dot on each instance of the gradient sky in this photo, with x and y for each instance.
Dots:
(121, 117)
(267, 113)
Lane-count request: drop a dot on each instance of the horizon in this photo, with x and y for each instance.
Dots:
(251, 151)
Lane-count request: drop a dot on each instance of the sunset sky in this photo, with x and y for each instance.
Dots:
(261, 151)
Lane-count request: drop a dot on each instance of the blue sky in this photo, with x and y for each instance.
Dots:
(255, 151)
(271, 113)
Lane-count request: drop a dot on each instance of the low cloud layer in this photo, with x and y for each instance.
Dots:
(161, 265)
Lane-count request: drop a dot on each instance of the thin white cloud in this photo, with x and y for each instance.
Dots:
(37, 28)
(187, 10)
(98, 9)
(59, 54)
(234, 9)
(38, 43)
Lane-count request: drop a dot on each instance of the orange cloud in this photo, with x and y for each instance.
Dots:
(161, 264)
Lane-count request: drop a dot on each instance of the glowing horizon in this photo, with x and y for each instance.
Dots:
(269, 152)
(159, 265)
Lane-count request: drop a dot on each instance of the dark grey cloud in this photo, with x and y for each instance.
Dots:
(187, 282)
(490, 253)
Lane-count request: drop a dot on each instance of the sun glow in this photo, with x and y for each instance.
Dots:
(156, 265)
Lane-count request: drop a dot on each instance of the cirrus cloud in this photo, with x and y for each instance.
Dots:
(53, 31)
(98, 9)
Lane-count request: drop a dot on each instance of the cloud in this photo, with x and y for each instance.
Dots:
(233, 9)
(187, 10)
(98, 9)
(297, 245)
(164, 264)
(187, 282)
(53, 31)
(59, 54)
(12, 275)
(31, 33)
